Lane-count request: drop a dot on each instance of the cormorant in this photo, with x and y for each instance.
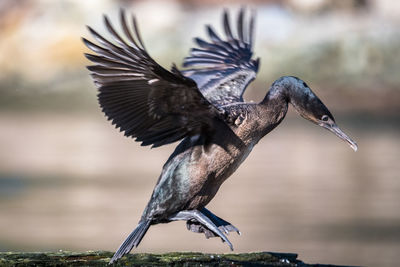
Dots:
(204, 106)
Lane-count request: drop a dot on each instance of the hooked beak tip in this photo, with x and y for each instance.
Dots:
(354, 146)
(339, 133)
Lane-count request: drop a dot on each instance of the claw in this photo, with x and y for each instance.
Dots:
(232, 228)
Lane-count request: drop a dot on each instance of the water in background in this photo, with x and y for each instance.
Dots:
(69, 180)
(301, 190)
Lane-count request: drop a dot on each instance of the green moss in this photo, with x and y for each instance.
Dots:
(101, 258)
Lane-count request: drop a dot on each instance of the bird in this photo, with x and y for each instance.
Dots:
(201, 106)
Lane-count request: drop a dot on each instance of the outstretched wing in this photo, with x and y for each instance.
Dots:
(221, 68)
(142, 98)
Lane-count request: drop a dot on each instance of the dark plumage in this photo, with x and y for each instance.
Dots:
(204, 106)
(222, 69)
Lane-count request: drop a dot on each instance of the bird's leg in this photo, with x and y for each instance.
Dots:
(187, 215)
(220, 223)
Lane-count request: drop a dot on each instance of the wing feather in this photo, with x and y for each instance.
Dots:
(141, 98)
(221, 68)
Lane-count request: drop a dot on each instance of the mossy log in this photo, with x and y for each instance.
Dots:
(101, 258)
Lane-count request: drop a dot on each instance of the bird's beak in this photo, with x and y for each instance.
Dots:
(339, 133)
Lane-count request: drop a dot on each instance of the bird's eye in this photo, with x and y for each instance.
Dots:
(325, 118)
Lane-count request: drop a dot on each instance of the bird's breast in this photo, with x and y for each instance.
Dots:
(211, 169)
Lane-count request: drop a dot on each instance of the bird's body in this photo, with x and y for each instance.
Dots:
(192, 175)
(204, 106)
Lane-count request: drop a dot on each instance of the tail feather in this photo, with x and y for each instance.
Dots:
(131, 241)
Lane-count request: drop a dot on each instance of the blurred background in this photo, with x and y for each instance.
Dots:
(70, 181)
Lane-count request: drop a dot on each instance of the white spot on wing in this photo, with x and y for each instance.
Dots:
(152, 81)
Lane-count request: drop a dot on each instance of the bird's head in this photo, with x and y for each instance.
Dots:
(310, 107)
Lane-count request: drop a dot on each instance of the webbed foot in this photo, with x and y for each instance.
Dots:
(219, 222)
(203, 220)
(224, 226)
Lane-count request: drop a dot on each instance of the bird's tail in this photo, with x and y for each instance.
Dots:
(132, 240)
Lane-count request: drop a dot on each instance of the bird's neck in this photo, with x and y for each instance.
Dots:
(274, 106)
